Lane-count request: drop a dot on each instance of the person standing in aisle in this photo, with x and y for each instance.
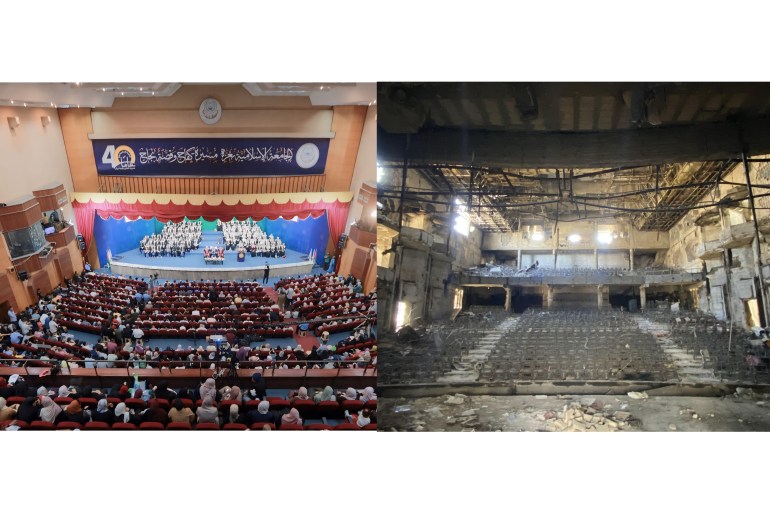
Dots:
(267, 274)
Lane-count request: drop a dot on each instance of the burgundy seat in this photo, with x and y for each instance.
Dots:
(16, 399)
(371, 404)
(88, 401)
(259, 426)
(68, 425)
(235, 426)
(292, 427)
(352, 406)
(347, 427)
(152, 426)
(328, 409)
(124, 425)
(318, 427)
(41, 425)
(95, 425)
(251, 405)
(276, 403)
(178, 426)
(63, 400)
(370, 427)
(207, 426)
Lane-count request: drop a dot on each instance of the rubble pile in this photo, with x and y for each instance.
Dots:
(580, 418)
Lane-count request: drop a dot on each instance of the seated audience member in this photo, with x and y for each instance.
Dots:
(258, 389)
(6, 412)
(368, 395)
(291, 418)
(155, 413)
(235, 416)
(349, 395)
(261, 414)
(49, 410)
(73, 412)
(29, 410)
(103, 412)
(178, 413)
(208, 389)
(124, 415)
(360, 419)
(327, 394)
(207, 412)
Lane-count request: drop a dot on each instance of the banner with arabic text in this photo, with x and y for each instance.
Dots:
(210, 157)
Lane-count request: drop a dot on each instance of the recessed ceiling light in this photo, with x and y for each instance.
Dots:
(141, 89)
(153, 93)
(104, 89)
(77, 84)
(78, 106)
(11, 102)
(122, 93)
(51, 104)
(25, 104)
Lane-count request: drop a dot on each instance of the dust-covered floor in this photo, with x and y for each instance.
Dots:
(743, 411)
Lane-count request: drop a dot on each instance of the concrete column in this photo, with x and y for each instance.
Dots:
(599, 296)
(548, 296)
(555, 255)
(596, 257)
(631, 258)
(643, 297)
(507, 299)
(518, 258)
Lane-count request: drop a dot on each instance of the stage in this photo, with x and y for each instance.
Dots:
(192, 267)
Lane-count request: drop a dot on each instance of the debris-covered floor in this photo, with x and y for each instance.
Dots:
(742, 411)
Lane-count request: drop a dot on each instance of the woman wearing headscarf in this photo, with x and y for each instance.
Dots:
(103, 412)
(208, 389)
(348, 395)
(207, 412)
(6, 412)
(49, 410)
(236, 394)
(63, 391)
(261, 414)
(301, 394)
(29, 410)
(235, 415)
(327, 394)
(122, 414)
(368, 394)
(73, 412)
(178, 413)
(155, 413)
(292, 417)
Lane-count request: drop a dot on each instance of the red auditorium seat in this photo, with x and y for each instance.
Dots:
(352, 406)
(69, 425)
(187, 403)
(276, 403)
(250, 405)
(40, 425)
(207, 426)
(292, 427)
(328, 409)
(88, 401)
(235, 426)
(137, 404)
(124, 425)
(94, 425)
(318, 427)
(114, 400)
(224, 406)
(152, 426)
(20, 423)
(347, 427)
(305, 407)
(178, 426)
(163, 403)
(370, 427)
(16, 399)
(371, 404)
(259, 426)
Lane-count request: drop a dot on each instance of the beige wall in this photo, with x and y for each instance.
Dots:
(32, 156)
(365, 170)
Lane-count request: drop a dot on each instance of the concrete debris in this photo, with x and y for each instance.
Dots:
(638, 395)
(744, 393)
(695, 415)
(622, 415)
(454, 400)
(434, 411)
(597, 405)
(451, 421)
(671, 427)
(541, 397)
(468, 413)
(576, 418)
(402, 409)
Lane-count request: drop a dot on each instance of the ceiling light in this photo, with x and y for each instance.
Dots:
(604, 237)
(51, 104)
(77, 84)
(374, 213)
(379, 205)
(141, 89)
(153, 93)
(25, 104)
(538, 236)
(574, 238)
(11, 102)
(104, 89)
(122, 93)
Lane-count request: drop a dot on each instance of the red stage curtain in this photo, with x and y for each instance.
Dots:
(336, 211)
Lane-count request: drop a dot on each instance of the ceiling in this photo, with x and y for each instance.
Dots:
(103, 94)
(643, 154)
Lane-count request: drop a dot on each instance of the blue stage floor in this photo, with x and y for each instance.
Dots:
(194, 259)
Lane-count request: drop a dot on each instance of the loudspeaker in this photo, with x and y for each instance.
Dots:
(23, 276)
